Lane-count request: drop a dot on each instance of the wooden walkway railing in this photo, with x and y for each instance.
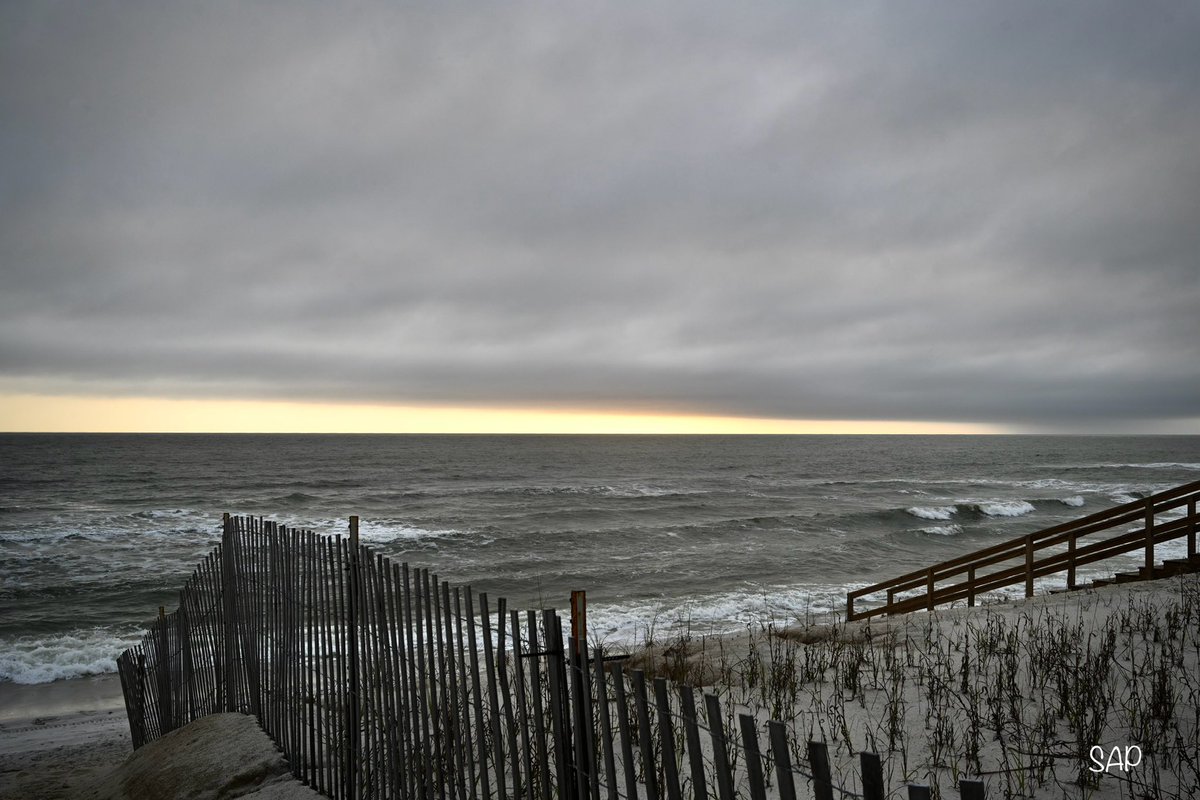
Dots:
(1061, 548)
(377, 681)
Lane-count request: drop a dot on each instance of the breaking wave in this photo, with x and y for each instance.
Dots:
(42, 659)
(935, 513)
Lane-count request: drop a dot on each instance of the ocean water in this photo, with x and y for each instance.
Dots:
(709, 532)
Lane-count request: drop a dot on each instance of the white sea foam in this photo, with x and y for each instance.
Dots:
(382, 533)
(1074, 502)
(1005, 508)
(934, 513)
(943, 530)
(42, 659)
(730, 612)
(1190, 465)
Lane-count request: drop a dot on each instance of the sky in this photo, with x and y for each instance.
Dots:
(678, 216)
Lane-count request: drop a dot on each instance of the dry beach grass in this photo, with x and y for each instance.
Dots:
(1016, 692)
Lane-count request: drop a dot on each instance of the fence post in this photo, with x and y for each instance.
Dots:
(1149, 537)
(228, 611)
(1071, 561)
(971, 587)
(929, 587)
(1192, 528)
(918, 792)
(140, 738)
(163, 668)
(352, 710)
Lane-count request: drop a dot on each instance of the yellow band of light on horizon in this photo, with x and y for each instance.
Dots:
(102, 414)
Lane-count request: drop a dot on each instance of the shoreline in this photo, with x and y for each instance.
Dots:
(59, 738)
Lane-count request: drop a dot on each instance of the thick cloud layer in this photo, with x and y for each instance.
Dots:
(967, 212)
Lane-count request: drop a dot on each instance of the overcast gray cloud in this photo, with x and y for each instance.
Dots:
(966, 212)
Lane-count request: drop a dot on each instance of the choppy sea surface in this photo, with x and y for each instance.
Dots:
(712, 532)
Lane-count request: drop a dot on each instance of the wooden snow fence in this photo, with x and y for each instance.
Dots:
(381, 681)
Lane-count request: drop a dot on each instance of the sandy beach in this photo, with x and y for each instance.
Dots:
(69, 740)
(923, 690)
(57, 739)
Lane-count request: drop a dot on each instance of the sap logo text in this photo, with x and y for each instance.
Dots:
(1123, 758)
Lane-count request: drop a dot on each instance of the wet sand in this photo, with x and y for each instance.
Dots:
(58, 739)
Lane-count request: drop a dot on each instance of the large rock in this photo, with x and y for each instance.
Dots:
(214, 758)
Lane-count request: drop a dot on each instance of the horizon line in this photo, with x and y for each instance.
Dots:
(79, 414)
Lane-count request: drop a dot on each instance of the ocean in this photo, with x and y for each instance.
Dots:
(711, 533)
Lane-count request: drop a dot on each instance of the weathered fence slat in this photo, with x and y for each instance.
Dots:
(645, 735)
(758, 788)
(539, 710)
(626, 738)
(716, 728)
(562, 744)
(666, 733)
(606, 732)
(783, 761)
(453, 702)
(971, 789)
(493, 697)
(872, 776)
(582, 757)
(818, 759)
(691, 730)
(481, 753)
(589, 721)
(506, 695)
(465, 690)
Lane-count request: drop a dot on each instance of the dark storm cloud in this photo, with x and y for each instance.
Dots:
(984, 212)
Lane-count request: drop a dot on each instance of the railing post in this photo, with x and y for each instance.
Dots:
(579, 620)
(971, 587)
(1149, 537)
(1029, 565)
(228, 610)
(929, 588)
(1192, 528)
(849, 607)
(352, 708)
(1071, 561)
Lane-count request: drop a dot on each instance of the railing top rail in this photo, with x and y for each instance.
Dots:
(1116, 515)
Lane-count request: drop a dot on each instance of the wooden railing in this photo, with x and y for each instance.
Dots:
(1039, 554)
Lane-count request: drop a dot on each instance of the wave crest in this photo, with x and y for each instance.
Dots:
(1005, 508)
(940, 513)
